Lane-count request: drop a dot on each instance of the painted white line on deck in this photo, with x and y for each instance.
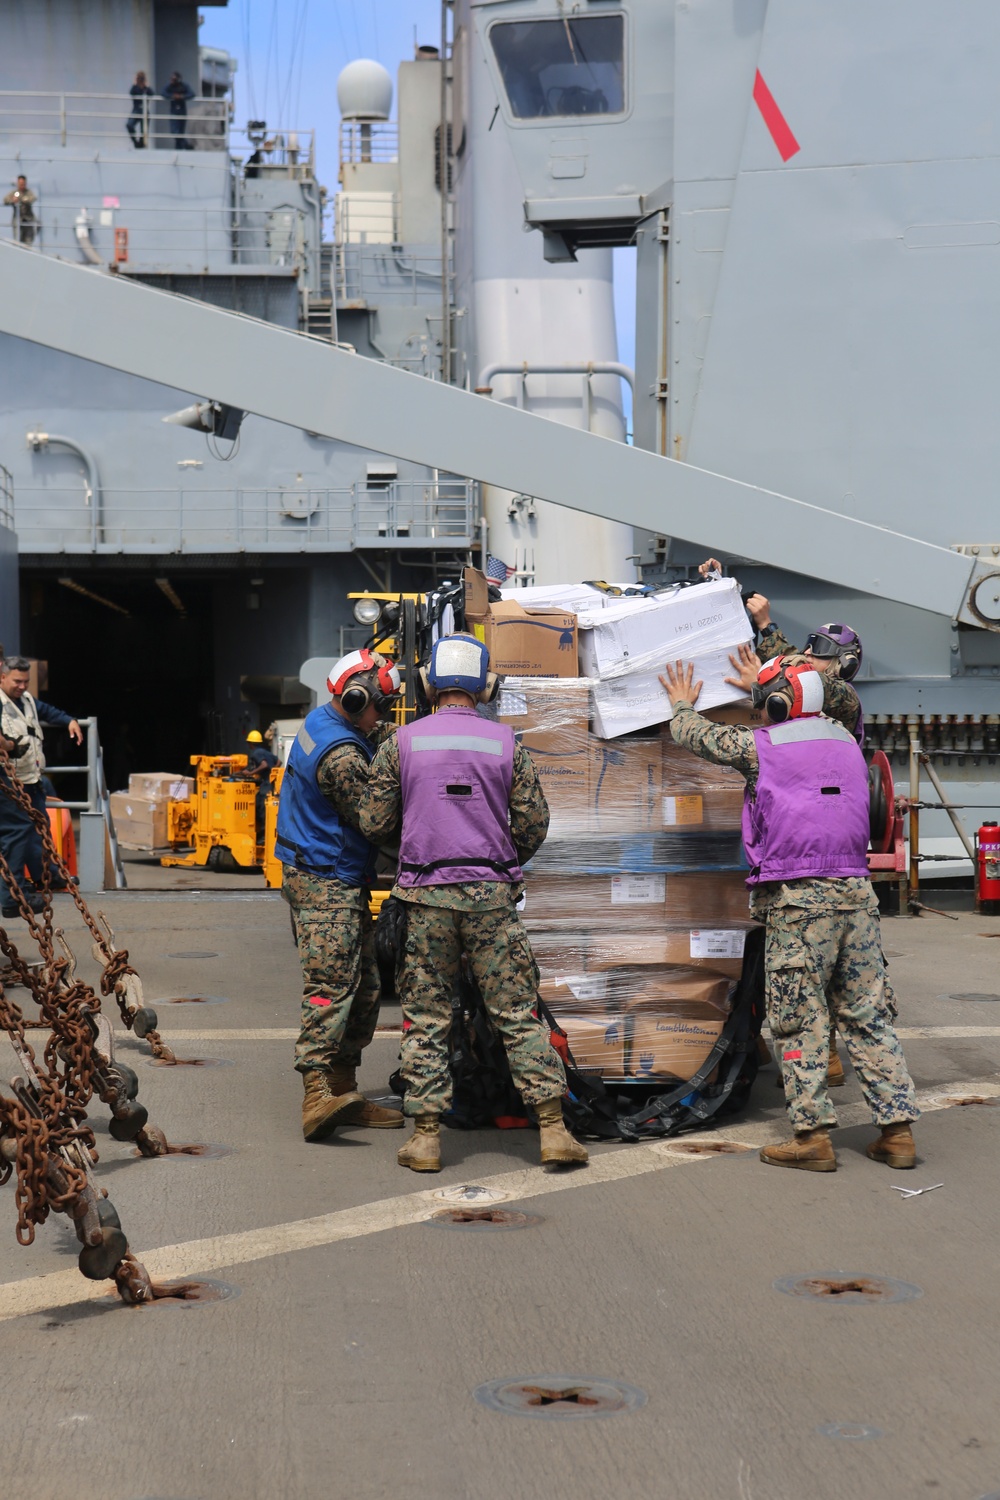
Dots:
(219, 1252)
(290, 1034)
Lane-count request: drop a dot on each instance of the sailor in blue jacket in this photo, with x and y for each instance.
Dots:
(328, 868)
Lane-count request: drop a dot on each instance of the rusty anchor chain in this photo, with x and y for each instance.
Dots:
(46, 1143)
(119, 977)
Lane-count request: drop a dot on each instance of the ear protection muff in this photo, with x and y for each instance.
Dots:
(355, 699)
(487, 695)
(367, 680)
(849, 665)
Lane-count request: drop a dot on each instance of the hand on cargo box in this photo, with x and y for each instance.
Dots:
(710, 565)
(746, 665)
(679, 683)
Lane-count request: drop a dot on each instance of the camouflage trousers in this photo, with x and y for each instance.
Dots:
(825, 967)
(340, 999)
(503, 965)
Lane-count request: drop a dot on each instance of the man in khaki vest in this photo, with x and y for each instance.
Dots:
(21, 720)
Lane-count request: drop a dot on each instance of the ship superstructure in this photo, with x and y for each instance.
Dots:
(216, 561)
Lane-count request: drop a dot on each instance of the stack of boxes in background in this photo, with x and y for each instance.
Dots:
(636, 903)
(140, 814)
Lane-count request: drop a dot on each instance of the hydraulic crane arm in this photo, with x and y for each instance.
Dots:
(309, 384)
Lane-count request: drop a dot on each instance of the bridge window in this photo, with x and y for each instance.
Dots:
(564, 67)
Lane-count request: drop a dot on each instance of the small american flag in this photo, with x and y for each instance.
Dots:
(498, 570)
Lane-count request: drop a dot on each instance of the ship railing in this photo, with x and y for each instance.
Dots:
(67, 116)
(368, 141)
(396, 514)
(366, 217)
(195, 238)
(281, 153)
(97, 829)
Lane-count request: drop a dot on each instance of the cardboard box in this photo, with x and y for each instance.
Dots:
(625, 785)
(160, 786)
(559, 953)
(581, 598)
(709, 900)
(679, 991)
(638, 700)
(597, 1043)
(719, 949)
(674, 1045)
(140, 823)
(529, 643)
(636, 901)
(742, 714)
(595, 902)
(697, 794)
(476, 591)
(639, 635)
(573, 994)
(550, 718)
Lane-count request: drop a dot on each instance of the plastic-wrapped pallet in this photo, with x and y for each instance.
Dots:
(637, 916)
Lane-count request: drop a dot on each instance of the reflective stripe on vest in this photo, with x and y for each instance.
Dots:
(478, 744)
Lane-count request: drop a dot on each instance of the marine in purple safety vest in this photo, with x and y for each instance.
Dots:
(467, 804)
(806, 832)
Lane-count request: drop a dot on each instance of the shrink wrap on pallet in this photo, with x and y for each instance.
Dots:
(636, 906)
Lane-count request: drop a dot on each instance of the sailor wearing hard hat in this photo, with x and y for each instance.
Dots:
(471, 811)
(805, 832)
(328, 867)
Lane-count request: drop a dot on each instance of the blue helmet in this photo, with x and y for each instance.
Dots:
(459, 662)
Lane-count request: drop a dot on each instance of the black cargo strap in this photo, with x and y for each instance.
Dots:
(501, 867)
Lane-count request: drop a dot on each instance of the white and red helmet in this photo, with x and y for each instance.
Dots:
(788, 688)
(368, 674)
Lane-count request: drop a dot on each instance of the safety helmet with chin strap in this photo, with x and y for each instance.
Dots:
(787, 687)
(362, 678)
(838, 642)
(460, 663)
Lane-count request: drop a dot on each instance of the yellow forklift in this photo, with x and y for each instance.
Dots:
(217, 828)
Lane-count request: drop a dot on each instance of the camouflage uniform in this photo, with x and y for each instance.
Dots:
(477, 919)
(333, 930)
(823, 960)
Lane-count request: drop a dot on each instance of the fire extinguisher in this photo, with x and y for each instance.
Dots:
(988, 843)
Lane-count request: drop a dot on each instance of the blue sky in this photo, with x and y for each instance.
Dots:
(290, 53)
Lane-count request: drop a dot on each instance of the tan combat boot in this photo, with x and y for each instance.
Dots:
(344, 1080)
(323, 1109)
(422, 1152)
(809, 1150)
(835, 1076)
(558, 1146)
(894, 1146)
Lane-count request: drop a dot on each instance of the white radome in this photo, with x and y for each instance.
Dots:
(364, 91)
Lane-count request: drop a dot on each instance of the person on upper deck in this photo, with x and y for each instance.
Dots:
(177, 93)
(22, 200)
(138, 121)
